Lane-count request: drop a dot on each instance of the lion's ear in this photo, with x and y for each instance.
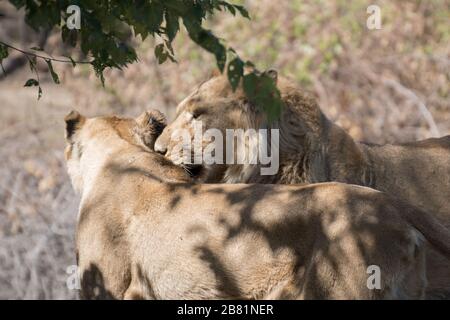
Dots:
(248, 106)
(74, 121)
(151, 123)
(152, 119)
(272, 73)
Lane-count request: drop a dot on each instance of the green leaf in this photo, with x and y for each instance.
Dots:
(235, 72)
(3, 51)
(31, 83)
(249, 64)
(160, 53)
(169, 46)
(169, 50)
(32, 63)
(242, 11)
(72, 61)
(154, 16)
(203, 37)
(42, 14)
(250, 81)
(231, 9)
(120, 55)
(37, 49)
(52, 72)
(3, 55)
(68, 36)
(99, 67)
(221, 59)
(18, 3)
(261, 90)
(208, 41)
(172, 24)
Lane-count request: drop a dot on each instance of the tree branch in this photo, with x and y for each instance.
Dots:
(43, 57)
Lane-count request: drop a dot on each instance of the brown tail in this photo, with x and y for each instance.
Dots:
(433, 231)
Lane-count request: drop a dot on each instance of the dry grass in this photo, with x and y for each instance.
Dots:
(381, 86)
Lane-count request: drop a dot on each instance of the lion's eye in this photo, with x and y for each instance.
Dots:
(196, 114)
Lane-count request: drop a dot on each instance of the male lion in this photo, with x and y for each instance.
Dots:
(145, 231)
(313, 149)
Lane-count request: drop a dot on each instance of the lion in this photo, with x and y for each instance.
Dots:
(145, 231)
(314, 149)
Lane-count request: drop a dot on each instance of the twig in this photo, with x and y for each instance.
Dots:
(408, 93)
(17, 62)
(421, 106)
(43, 57)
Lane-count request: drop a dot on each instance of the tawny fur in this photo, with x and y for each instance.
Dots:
(144, 231)
(313, 149)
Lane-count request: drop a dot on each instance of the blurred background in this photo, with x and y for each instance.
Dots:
(381, 86)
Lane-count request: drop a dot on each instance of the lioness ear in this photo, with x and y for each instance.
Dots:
(273, 74)
(150, 125)
(74, 121)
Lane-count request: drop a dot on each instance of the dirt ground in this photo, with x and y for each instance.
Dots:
(388, 85)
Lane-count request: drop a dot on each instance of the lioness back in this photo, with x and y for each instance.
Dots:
(273, 241)
(417, 171)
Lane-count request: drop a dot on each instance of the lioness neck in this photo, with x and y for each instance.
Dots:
(117, 160)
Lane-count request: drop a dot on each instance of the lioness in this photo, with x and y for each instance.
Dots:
(145, 231)
(314, 149)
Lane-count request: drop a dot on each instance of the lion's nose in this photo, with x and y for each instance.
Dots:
(160, 147)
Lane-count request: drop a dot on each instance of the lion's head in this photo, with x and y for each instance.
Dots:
(214, 104)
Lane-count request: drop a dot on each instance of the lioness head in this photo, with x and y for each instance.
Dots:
(215, 105)
(88, 140)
